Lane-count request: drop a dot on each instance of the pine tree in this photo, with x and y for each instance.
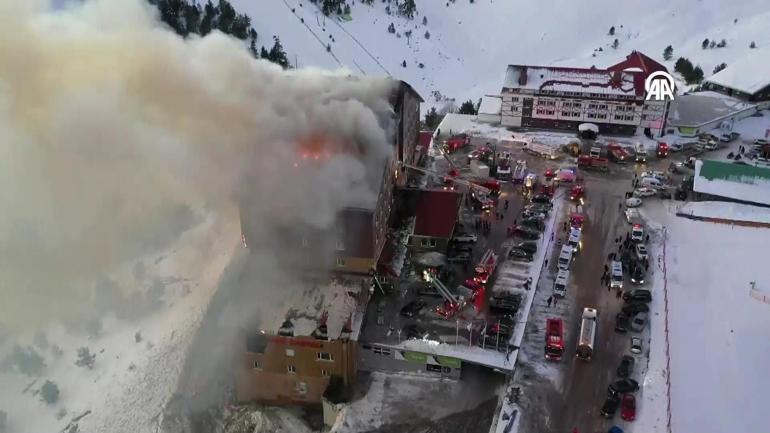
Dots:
(696, 77)
(407, 8)
(712, 44)
(277, 54)
(615, 44)
(192, 18)
(668, 52)
(49, 392)
(432, 118)
(425, 20)
(209, 18)
(467, 107)
(254, 52)
(264, 54)
(612, 31)
(719, 67)
(752, 45)
(684, 67)
(705, 43)
(722, 43)
(391, 28)
(85, 358)
(427, 34)
(403, 64)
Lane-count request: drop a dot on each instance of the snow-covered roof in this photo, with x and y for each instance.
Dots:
(581, 80)
(749, 74)
(338, 302)
(491, 105)
(700, 108)
(738, 182)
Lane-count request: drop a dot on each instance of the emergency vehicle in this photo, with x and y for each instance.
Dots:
(554, 339)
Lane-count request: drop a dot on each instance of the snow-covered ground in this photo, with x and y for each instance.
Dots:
(470, 45)
(728, 211)
(717, 328)
(131, 380)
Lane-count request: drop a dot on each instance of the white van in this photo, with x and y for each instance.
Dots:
(565, 257)
(574, 239)
(616, 275)
(560, 285)
(651, 182)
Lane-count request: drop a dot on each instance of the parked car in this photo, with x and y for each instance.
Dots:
(640, 320)
(428, 290)
(415, 331)
(635, 307)
(621, 323)
(638, 295)
(505, 304)
(610, 406)
(628, 407)
(661, 176)
(637, 274)
(622, 386)
(726, 138)
(528, 246)
(636, 345)
(413, 308)
(641, 252)
(626, 366)
(644, 192)
(465, 238)
(533, 215)
(633, 216)
(633, 202)
(520, 255)
(543, 199)
(761, 142)
(533, 223)
(637, 232)
(526, 233)
(537, 208)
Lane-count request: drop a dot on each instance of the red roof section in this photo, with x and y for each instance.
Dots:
(639, 60)
(436, 213)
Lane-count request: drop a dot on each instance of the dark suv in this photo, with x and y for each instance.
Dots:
(638, 295)
(413, 308)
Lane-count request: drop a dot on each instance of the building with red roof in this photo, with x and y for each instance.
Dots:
(564, 97)
(435, 219)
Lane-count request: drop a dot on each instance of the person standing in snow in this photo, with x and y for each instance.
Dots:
(550, 299)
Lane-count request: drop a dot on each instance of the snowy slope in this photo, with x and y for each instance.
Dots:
(130, 381)
(470, 44)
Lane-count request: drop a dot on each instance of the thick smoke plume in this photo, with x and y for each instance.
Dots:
(114, 130)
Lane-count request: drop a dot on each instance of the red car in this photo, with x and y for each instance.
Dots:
(628, 407)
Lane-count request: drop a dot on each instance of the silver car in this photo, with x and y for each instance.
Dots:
(636, 345)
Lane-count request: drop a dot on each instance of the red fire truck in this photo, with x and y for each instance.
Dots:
(576, 221)
(456, 142)
(554, 339)
(577, 192)
(486, 267)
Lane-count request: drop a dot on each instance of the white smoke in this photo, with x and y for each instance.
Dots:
(111, 126)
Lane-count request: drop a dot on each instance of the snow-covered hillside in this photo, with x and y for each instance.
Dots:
(470, 44)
